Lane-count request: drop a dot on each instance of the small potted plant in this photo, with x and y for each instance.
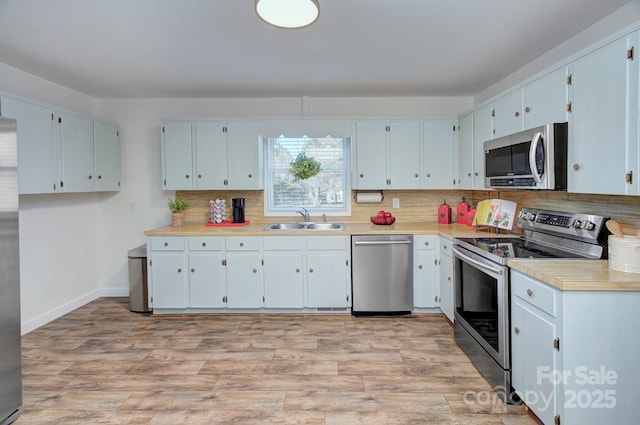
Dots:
(304, 167)
(178, 206)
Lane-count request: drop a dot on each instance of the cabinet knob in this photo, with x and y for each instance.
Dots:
(426, 243)
(517, 114)
(250, 175)
(361, 175)
(241, 243)
(388, 181)
(475, 174)
(415, 175)
(179, 270)
(99, 177)
(226, 182)
(199, 176)
(516, 330)
(527, 109)
(255, 270)
(297, 270)
(469, 174)
(193, 270)
(529, 292)
(449, 278)
(310, 270)
(419, 266)
(428, 174)
(186, 176)
(576, 167)
(90, 177)
(166, 244)
(204, 244)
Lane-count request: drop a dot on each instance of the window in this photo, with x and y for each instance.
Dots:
(325, 192)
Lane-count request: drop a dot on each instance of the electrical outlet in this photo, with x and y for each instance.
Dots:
(396, 202)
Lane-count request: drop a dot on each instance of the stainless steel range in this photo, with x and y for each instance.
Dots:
(481, 280)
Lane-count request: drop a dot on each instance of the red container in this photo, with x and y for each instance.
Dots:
(470, 216)
(444, 213)
(462, 210)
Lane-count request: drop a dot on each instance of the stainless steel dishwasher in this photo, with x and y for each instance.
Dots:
(382, 274)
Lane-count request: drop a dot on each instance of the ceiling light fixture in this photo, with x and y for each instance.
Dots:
(288, 13)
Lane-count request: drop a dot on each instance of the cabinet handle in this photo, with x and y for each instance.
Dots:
(516, 330)
(388, 181)
(529, 292)
(297, 270)
(310, 270)
(179, 270)
(193, 270)
(419, 266)
(226, 182)
(628, 177)
(255, 270)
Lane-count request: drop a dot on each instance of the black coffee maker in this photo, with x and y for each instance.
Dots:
(238, 210)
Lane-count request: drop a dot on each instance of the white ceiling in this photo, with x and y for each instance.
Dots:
(220, 48)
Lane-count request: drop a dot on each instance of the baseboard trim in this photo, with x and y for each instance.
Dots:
(41, 320)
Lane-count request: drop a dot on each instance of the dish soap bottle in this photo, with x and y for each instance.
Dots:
(444, 213)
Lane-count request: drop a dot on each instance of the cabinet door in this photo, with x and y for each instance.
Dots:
(244, 159)
(404, 155)
(76, 133)
(371, 155)
(244, 280)
(465, 152)
(210, 155)
(207, 280)
(283, 280)
(446, 287)
(177, 165)
(481, 133)
(438, 154)
(38, 145)
(545, 99)
(507, 114)
(169, 280)
(532, 354)
(327, 280)
(426, 279)
(107, 156)
(598, 125)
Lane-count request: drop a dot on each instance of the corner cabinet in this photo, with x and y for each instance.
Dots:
(211, 155)
(61, 150)
(571, 361)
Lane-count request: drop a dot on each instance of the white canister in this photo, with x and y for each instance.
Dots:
(624, 253)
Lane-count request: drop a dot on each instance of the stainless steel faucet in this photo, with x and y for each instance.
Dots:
(304, 213)
(324, 218)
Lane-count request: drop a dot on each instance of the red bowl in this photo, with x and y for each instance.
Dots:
(382, 221)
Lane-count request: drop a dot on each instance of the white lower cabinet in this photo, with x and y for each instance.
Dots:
(245, 284)
(168, 272)
(446, 278)
(425, 268)
(207, 273)
(328, 271)
(283, 272)
(573, 353)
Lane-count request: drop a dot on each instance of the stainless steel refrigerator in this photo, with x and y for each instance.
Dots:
(10, 348)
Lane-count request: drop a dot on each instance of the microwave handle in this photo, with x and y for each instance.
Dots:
(537, 138)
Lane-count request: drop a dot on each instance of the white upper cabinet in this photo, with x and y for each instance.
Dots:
(211, 155)
(545, 99)
(482, 131)
(387, 155)
(603, 123)
(61, 150)
(38, 145)
(438, 148)
(465, 151)
(507, 114)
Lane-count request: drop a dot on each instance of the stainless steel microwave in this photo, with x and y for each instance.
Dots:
(530, 159)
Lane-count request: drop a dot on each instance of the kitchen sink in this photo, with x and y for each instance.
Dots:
(305, 226)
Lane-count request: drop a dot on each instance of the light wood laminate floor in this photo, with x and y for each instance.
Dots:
(102, 364)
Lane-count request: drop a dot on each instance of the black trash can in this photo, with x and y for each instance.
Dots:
(138, 283)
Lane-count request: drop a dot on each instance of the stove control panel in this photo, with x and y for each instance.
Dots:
(579, 226)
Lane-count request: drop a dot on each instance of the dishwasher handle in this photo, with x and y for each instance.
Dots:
(405, 242)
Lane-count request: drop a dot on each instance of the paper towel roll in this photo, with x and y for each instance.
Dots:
(368, 197)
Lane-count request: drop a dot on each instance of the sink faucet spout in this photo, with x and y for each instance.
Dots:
(304, 213)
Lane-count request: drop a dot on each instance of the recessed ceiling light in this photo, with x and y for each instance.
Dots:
(288, 13)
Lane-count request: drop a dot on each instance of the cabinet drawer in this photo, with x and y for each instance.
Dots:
(445, 247)
(321, 243)
(425, 241)
(167, 243)
(240, 243)
(282, 243)
(205, 243)
(534, 292)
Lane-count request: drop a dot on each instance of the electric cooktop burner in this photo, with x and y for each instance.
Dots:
(545, 234)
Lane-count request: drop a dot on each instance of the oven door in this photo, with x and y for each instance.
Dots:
(481, 296)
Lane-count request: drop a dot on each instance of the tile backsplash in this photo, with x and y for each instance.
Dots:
(422, 205)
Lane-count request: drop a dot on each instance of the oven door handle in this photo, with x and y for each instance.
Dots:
(475, 262)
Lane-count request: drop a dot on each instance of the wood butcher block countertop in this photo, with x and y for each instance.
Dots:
(578, 274)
